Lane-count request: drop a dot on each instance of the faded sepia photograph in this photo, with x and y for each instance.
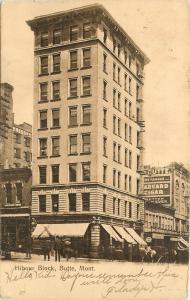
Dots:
(94, 149)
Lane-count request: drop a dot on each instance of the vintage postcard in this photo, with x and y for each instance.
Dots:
(94, 149)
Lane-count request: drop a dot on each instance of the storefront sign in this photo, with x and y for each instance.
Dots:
(157, 189)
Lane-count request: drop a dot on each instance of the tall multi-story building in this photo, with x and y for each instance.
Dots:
(170, 187)
(6, 125)
(22, 145)
(88, 124)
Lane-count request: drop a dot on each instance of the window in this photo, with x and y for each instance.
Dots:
(86, 86)
(42, 174)
(74, 33)
(114, 98)
(57, 36)
(130, 60)
(73, 144)
(86, 31)
(125, 208)
(130, 159)
(126, 157)
(119, 154)
(56, 90)
(119, 49)
(118, 75)
(72, 172)
(125, 57)
(138, 114)
(114, 124)
(105, 35)
(138, 162)
(18, 138)
(118, 207)
(43, 91)
(86, 147)
(126, 107)
(114, 45)
(44, 39)
(104, 90)
(73, 87)
(130, 110)
(130, 184)
(17, 152)
(114, 205)
(119, 180)
(43, 147)
(130, 210)
(105, 118)
(55, 146)
(137, 91)
(137, 69)
(130, 90)
(55, 173)
(85, 201)
(138, 186)
(125, 82)
(105, 146)
(114, 151)
(104, 62)
(130, 134)
(73, 116)
(27, 156)
(55, 118)
(119, 127)
(19, 191)
(104, 173)
(138, 139)
(119, 101)
(104, 202)
(86, 114)
(126, 131)
(86, 58)
(138, 211)
(8, 187)
(86, 171)
(44, 65)
(56, 63)
(55, 202)
(27, 141)
(114, 177)
(42, 203)
(125, 182)
(73, 59)
(114, 71)
(72, 202)
(43, 119)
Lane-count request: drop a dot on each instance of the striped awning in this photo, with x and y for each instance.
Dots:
(184, 242)
(71, 230)
(135, 236)
(112, 232)
(125, 235)
(41, 230)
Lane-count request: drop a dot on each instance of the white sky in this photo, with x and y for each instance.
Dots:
(159, 27)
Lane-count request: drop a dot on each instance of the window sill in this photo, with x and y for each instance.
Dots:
(86, 67)
(105, 127)
(55, 127)
(84, 96)
(105, 156)
(54, 100)
(105, 72)
(56, 72)
(72, 97)
(72, 154)
(55, 156)
(85, 153)
(42, 129)
(73, 69)
(72, 126)
(43, 74)
(105, 99)
(41, 157)
(45, 101)
(86, 124)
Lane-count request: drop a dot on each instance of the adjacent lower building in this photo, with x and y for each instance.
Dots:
(88, 126)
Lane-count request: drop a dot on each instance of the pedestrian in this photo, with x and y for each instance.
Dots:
(68, 250)
(57, 248)
(46, 249)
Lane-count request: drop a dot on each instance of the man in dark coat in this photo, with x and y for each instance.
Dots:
(57, 248)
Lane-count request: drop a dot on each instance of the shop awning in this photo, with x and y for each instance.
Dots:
(135, 236)
(14, 215)
(184, 242)
(125, 235)
(158, 236)
(71, 230)
(41, 230)
(112, 232)
(174, 239)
